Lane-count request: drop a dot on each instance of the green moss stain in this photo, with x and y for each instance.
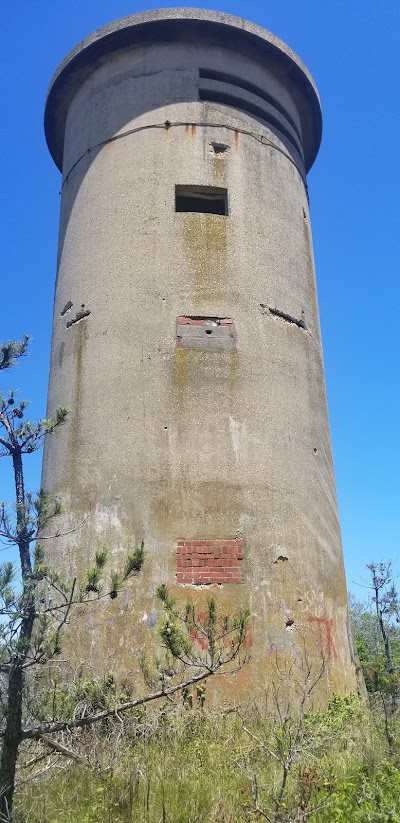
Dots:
(310, 260)
(80, 491)
(205, 247)
(219, 168)
(76, 403)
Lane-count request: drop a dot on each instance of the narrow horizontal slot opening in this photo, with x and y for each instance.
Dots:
(239, 82)
(201, 200)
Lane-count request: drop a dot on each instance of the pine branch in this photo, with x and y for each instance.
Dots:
(89, 720)
(11, 351)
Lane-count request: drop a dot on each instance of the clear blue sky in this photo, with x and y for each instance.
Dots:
(351, 48)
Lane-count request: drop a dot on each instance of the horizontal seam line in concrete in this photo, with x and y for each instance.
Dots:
(168, 125)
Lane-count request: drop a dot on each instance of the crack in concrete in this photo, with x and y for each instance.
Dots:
(288, 318)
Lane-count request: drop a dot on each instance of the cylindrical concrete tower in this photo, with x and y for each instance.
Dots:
(186, 338)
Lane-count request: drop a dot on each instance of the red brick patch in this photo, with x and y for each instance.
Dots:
(209, 561)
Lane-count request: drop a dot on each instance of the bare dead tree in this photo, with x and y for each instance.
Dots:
(286, 738)
(386, 603)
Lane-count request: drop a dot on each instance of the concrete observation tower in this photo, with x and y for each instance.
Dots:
(186, 338)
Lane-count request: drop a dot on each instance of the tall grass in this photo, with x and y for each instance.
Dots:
(200, 766)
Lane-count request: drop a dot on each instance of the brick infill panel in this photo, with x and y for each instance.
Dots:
(203, 562)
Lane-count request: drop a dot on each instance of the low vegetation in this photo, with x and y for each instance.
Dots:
(193, 765)
(181, 761)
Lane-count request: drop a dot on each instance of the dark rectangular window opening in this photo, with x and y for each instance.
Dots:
(201, 199)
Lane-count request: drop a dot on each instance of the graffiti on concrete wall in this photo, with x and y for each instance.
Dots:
(324, 635)
(281, 640)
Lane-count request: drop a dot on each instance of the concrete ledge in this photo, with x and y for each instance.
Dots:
(169, 25)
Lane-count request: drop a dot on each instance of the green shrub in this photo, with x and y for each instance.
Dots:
(197, 766)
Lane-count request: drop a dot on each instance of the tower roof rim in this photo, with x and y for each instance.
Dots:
(82, 60)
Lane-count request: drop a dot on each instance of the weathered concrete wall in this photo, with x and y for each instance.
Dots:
(226, 439)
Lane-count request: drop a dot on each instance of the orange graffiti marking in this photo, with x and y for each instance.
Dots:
(325, 636)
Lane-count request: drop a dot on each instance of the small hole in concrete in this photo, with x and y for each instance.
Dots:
(165, 427)
(220, 148)
(304, 214)
(315, 450)
(289, 623)
(208, 331)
